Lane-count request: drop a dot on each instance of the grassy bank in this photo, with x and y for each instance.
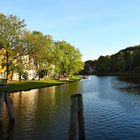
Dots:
(34, 84)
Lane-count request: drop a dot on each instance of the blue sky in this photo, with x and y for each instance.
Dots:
(96, 27)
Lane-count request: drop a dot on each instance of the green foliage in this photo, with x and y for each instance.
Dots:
(103, 64)
(25, 75)
(40, 50)
(67, 59)
(43, 52)
(126, 60)
(136, 60)
(42, 73)
(19, 68)
(11, 30)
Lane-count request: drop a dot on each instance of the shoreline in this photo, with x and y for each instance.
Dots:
(35, 84)
(115, 74)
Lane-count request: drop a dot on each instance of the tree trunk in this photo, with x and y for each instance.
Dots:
(1, 105)
(20, 77)
(7, 65)
(10, 108)
(39, 77)
(12, 75)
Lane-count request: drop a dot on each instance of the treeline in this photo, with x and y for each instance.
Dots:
(126, 60)
(44, 53)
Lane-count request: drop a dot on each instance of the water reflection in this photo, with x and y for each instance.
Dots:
(44, 113)
(39, 112)
(9, 129)
(129, 83)
(8, 108)
(131, 78)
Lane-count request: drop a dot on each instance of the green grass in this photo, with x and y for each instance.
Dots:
(75, 78)
(34, 84)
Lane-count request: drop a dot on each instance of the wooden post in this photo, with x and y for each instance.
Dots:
(1, 105)
(10, 108)
(73, 118)
(76, 117)
(81, 118)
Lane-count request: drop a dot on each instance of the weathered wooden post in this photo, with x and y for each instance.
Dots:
(73, 118)
(76, 117)
(5, 97)
(1, 105)
(10, 109)
(81, 118)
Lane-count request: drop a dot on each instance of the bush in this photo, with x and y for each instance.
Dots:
(25, 76)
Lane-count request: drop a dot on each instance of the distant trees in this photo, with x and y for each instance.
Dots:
(89, 67)
(136, 60)
(44, 53)
(103, 64)
(127, 60)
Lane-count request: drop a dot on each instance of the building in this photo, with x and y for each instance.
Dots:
(28, 64)
(29, 68)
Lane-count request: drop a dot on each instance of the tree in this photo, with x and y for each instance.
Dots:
(89, 67)
(67, 59)
(35, 43)
(136, 61)
(103, 64)
(40, 50)
(11, 31)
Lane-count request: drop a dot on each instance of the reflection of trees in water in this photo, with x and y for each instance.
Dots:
(1, 130)
(40, 112)
(127, 83)
(134, 79)
(9, 132)
(5, 97)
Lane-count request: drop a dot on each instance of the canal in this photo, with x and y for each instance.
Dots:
(111, 111)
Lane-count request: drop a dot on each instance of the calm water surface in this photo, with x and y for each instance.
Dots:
(109, 112)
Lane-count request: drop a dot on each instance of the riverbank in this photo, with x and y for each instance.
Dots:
(116, 74)
(34, 84)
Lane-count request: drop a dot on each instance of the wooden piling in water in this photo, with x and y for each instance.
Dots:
(5, 97)
(1, 105)
(76, 118)
(10, 109)
(81, 118)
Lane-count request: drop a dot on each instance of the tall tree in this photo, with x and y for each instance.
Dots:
(40, 50)
(68, 59)
(11, 31)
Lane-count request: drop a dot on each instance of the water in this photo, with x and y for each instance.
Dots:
(43, 114)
